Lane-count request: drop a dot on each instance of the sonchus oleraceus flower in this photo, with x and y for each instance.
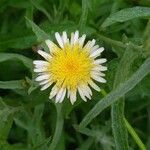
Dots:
(71, 67)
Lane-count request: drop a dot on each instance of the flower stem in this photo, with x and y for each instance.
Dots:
(134, 135)
(103, 92)
(58, 129)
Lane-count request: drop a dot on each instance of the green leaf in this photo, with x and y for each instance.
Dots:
(17, 42)
(118, 127)
(6, 120)
(7, 146)
(117, 93)
(29, 14)
(86, 144)
(99, 134)
(37, 130)
(33, 125)
(117, 113)
(17, 84)
(19, 4)
(146, 39)
(3, 5)
(38, 6)
(2, 104)
(126, 14)
(112, 67)
(84, 15)
(41, 35)
(4, 145)
(10, 56)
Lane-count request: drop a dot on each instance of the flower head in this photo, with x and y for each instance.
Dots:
(70, 67)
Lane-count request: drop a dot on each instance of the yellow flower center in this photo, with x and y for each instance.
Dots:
(71, 66)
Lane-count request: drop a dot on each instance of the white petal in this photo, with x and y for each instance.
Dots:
(96, 68)
(59, 39)
(94, 48)
(88, 89)
(97, 52)
(40, 69)
(43, 67)
(44, 82)
(63, 96)
(98, 78)
(81, 40)
(92, 43)
(53, 92)
(72, 39)
(100, 61)
(40, 62)
(42, 73)
(99, 68)
(101, 49)
(64, 37)
(43, 77)
(82, 94)
(87, 45)
(73, 97)
(86, 92)
(95, 55)
(102, 74)
(103, 68)
(93, 85)
(50, 45)
(46, 86)
(76, 36)
(68, 93)
(44, 55)
(97, 73)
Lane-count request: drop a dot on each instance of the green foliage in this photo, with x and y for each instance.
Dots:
(127, 14)
(30, 121)
(117, 93)
(117, 113)
(18, 84)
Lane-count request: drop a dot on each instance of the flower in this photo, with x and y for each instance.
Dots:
(70, 67)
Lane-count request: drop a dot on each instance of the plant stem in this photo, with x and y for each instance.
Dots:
(134, 135)
(58, 129)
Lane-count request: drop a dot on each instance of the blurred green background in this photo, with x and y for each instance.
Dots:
(30, 121)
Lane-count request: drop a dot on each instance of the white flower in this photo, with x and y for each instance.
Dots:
(70, 67)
